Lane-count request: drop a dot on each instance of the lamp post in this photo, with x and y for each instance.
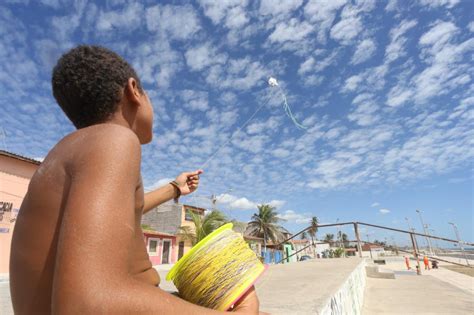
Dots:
(338, 234)
(426, 233)
(458, 237)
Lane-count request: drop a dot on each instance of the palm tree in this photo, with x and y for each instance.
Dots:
(304, 236)
(343, 238)
(312, 232)
(204, 225)
(265, 224)
(328, 238)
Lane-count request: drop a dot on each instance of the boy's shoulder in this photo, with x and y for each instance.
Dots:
(101, 140)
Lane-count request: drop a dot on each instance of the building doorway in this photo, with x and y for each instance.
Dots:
(180, 250)
(165, 256)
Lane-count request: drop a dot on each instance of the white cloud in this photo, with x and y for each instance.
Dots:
(230, 11)
(238, 74)
(346, 29)
(375, 204)
(306, 66)
(277, 203)
(384, 211)
(396, 47)
(279, 7)
(365, 50)
(292, 216)
(439, 3)
(159, 183)
(323, 13)
(440, 34)
(292, 30)
(177, 22)
(195, 100)
(127, 19)
(470, 26)
(243, 204)
(200, 57)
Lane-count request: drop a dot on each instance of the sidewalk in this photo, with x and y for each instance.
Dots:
(438, 291)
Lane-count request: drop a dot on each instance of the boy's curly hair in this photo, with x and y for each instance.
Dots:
(87, 83)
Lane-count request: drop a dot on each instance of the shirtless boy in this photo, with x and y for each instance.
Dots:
(78, 246)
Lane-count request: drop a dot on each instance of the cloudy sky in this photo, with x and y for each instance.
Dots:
(384, 89)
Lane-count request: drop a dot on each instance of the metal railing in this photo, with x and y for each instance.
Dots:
(358, 240)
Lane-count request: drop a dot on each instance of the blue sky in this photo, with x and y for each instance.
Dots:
(384, 88)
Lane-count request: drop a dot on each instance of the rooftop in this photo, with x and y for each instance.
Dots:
(19, 157)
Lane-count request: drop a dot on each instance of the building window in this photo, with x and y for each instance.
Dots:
(181, 250)
(188, 216)
(152, 246)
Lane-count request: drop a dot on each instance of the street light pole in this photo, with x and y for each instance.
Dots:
(426, 233)
(458, 237)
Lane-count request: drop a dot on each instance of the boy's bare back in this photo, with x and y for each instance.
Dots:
(44, 215)
(78, 245)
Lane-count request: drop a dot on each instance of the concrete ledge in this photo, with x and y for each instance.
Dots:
(318, 286)
(376, 272)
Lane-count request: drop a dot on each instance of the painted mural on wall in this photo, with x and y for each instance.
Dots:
(350, 297)
(8, 215)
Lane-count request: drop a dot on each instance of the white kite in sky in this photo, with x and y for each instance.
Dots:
(274, 83)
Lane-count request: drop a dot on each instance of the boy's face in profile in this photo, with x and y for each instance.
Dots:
(144, 119)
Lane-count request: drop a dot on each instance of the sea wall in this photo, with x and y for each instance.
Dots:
(350, 296)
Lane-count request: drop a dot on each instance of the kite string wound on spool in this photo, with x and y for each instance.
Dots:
(217, 271)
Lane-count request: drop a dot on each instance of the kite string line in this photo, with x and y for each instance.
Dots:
(230, 139)
(233, 136)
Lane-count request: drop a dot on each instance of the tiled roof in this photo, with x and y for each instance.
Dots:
(152, 232)
(19, 157)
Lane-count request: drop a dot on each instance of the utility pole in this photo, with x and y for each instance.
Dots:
(370, 247)
(359, 247)
(458, 237)
(426, 233)
(412, 230)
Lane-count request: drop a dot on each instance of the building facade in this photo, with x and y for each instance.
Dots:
(161, 247)
(15, 174)
(168, 218)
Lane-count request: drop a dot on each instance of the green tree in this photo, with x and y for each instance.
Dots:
(304, 236)
(312, 232)
(328, 238)
(343, 238)
(204, 225)
(265, 224)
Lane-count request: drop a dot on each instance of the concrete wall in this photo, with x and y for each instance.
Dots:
(15, 176)
(349, 299)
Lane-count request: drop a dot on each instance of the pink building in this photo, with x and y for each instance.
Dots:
(161, 247)
(15, 174)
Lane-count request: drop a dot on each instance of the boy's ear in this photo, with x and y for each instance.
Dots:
(132, 91)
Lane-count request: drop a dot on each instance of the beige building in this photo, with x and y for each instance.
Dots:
(168, 218)
(15, 174)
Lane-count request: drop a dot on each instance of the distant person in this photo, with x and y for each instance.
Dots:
(407, 262)
(78, 246)
(426, 262)
(434, 264)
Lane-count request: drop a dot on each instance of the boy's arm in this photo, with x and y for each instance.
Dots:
(188, 183)
(97, 232)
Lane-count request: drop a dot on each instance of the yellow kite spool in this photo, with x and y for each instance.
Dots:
(217, 271)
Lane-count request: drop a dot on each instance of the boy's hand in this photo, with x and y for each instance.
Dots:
(248, 303)
(188, 181)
